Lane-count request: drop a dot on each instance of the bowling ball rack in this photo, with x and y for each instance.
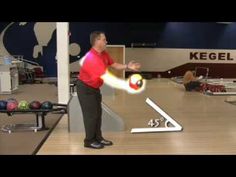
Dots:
(40, 115)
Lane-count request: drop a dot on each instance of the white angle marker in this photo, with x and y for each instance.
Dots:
(175, 127)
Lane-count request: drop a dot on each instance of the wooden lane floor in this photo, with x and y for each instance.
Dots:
(208, 124)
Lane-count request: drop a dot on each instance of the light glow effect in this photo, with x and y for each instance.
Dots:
(122, 84)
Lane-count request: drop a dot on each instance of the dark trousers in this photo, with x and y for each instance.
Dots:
(193, 85)
(90, 100)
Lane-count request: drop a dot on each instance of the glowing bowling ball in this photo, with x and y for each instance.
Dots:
(135, 81)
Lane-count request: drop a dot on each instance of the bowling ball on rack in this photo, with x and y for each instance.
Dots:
(23, 105)
(12, 105)
(35, 105)
(46, 105)
(3, 105)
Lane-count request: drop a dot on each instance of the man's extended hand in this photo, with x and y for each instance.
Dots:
(133, 65)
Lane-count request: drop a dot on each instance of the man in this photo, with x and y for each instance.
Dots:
(93, 73)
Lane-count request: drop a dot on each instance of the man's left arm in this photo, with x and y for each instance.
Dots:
(119, 66)
(132, 65)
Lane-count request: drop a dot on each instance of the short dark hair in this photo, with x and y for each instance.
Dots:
(95, 35)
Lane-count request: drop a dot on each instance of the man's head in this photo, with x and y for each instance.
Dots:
(98, 40)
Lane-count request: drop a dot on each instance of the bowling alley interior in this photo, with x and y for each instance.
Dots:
(86, 88)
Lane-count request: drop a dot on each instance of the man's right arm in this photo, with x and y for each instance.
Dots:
(117, 83)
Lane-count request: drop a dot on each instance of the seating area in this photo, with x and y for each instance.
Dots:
(39, 74)
(35, 75)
